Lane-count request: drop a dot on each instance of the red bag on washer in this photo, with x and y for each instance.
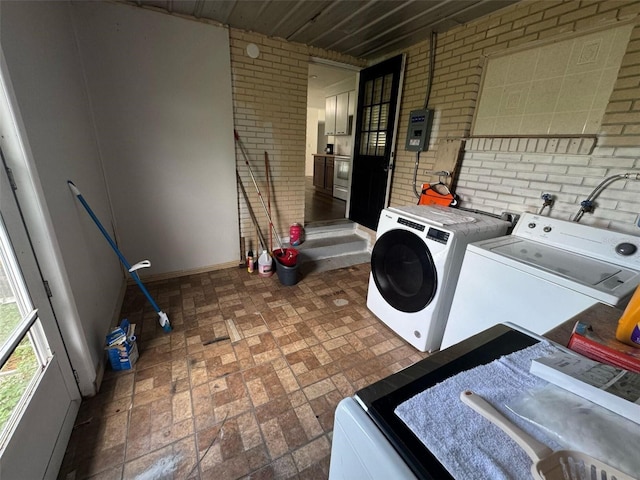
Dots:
(437, 194)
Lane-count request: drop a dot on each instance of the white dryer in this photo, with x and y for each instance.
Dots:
(415, 264)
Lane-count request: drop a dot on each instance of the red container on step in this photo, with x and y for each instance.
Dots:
(296, 234)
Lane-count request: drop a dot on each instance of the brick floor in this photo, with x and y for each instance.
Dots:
(246, 384)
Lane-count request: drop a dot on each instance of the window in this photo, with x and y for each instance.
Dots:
(375, 113)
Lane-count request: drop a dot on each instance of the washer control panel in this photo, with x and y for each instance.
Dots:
(607, 245)
(417, 226)
(438, 235)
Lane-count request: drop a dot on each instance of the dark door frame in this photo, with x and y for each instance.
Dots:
(370, 217)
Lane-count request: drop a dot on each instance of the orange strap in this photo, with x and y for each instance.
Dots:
(430, 196)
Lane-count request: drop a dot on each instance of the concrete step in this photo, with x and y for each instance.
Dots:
(332, 263)
(333, 228)
(334, 239)
(330, 246)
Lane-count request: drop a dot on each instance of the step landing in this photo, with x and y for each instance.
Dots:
(331, 246)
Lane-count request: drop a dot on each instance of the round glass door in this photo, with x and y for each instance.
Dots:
(403, 271)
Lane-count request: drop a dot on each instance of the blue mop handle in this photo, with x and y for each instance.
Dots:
(134, 275)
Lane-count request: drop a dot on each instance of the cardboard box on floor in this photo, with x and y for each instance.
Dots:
(121, 346)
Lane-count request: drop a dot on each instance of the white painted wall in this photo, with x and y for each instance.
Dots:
(160, 88)
(59, 143)
(146, 98)
(313, 115)
(346, 85)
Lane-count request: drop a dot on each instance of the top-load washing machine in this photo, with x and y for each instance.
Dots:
(544, 273)
(415, 264)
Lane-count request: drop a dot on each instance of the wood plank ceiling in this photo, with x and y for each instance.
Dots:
(368, 29)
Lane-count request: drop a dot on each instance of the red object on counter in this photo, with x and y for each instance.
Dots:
(604, 350)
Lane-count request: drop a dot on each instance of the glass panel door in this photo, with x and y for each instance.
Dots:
(376, 124)
(23, 347)
(38, 396)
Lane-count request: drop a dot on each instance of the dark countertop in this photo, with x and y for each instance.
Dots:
(381, 398)
(596, 315)
(333, 155)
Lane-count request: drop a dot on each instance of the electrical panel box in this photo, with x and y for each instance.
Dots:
(419, 131)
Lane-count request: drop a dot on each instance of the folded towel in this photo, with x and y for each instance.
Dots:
(468, 445)
(438, 214)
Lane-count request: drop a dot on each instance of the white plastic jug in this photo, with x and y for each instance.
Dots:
(265, 264)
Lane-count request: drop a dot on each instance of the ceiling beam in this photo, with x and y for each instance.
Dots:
(325, 11)
(428, 27)
(346, 20)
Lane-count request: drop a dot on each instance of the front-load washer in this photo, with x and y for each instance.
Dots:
(544, 273)
(415, 263)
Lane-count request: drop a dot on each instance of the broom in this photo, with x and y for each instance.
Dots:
(164, 320)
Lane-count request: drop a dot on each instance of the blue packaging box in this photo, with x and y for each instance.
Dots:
(121, 346)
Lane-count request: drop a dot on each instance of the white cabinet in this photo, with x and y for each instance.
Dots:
(330, 115)
(338, 109)
(352, 104)
(342, 117)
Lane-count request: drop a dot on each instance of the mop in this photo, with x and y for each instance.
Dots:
(261, 236)
(266, 169)
(164, 320)
(287, 256)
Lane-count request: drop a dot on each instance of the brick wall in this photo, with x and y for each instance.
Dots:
(270, 108)
(511, 174)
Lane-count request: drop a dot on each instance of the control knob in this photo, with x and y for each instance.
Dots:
(625, 249)
(532, 225)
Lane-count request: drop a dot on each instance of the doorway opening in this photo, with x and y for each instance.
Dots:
(327, 145)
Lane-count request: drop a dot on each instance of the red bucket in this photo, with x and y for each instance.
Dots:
(286, 256)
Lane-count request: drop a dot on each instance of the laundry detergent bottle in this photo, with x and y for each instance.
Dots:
(628, 330)
(265, 264)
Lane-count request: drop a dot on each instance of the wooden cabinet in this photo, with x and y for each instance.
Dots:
(328, 175)
(323, 173)
(318, 171)
(338, 109)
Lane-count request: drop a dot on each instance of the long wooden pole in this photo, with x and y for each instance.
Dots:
(266, 167)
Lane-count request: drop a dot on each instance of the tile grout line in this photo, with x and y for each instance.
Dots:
(193, 418)
(255, 416)
(253, 407)
(290, 450)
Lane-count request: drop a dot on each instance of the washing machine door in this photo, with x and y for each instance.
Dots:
(403, 271)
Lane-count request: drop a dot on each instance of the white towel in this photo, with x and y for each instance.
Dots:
(438, 214)
(468, 445)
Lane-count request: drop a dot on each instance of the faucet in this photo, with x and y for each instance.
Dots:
(547, 198)
(587, 205)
